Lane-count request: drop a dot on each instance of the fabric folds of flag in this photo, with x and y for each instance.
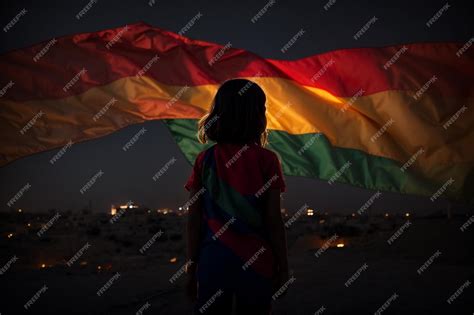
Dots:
(393, 118)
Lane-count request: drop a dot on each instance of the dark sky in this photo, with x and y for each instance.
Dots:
(127, 175)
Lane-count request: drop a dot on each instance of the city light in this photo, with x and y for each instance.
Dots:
(340, 245)
(173, 260)
(309, 212)
(10, 235)
(407, 214)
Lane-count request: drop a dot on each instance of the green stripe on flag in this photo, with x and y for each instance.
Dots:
(312, 155)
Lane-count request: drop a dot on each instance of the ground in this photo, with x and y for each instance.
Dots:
(319, 281)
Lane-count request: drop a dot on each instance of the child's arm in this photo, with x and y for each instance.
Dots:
(276, 230)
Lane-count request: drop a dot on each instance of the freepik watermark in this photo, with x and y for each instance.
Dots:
(91, 182)
(119, 214)
(147, 66)
(150, 242)
(438, 15)
(60, 153)
(223, 228)
(395, 57)
(326, 245)
(454, 117)
(78, 255)
(45, 49)
(267, 185)
(134, 139)
(236, 156)
(35, 297)
(356, 275)
(117, 37)
(211, 301)
(8, 86)
(18, 195)
(412, 159)
(428, 263)
(86, 9)
(386, 305)
(262, 11)
(369, 202)
(15, 20)
(352, 100)
(282, 110)
(248, 84)
(49, 224)
(194, 198)
(180, 271)
(143, 308)
(309, 143)
(7, 266)
(322, 71)
(104, 109)
(164, 169)
(365, 28)
(329, 4)
(458, 292)
(292, 41)
(382, 130)
(283, 288)
(74, 80)
(177, 96)
(190, 24)
(219, 54)
(32, 122)
(320, 310)
(442, 189)
(108, 284)
(398, 233)
(467, 224)
(425, 87)
(254, 257)
(295, 216)
(465, 47)
(339, 172)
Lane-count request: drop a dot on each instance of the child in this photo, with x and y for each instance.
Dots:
(236, 236)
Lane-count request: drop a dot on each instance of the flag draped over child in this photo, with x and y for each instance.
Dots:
(393, 118)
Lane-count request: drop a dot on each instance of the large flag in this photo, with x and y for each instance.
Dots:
(395, 118)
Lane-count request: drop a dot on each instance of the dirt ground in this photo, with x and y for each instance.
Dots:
(383, 269)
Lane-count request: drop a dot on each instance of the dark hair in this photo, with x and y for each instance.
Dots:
(237, 115)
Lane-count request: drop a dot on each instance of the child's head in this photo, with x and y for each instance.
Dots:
(237, 115)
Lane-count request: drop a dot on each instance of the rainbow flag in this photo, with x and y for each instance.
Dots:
(393, 118)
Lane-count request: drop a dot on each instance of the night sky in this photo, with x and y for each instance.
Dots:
(128, 175)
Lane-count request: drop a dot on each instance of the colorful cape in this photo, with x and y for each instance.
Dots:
(391, 119)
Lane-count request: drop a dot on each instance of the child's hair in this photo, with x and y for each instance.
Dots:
(237, 115)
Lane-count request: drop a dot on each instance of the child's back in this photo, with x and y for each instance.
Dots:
(235, 252)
